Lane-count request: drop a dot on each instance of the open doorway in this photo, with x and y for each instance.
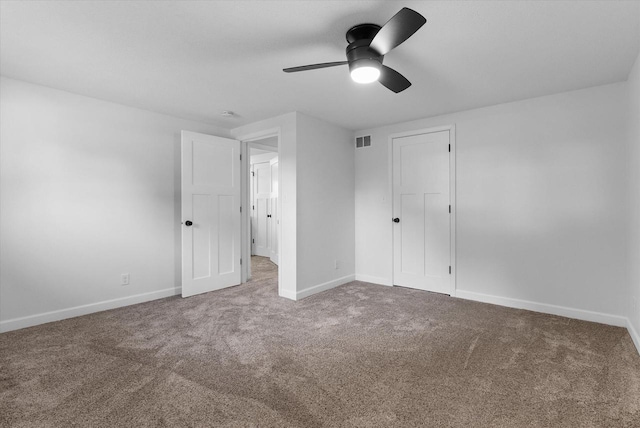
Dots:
(217, 233)
(263, 231)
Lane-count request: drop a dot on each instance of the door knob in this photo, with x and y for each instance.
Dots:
(396, 220)
(269, 215)
(188, 223)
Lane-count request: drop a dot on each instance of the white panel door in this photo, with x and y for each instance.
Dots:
(260, 211)
(210, 213)
(274, 218)
(422, 223)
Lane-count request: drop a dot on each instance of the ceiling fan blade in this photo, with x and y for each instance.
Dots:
(398, 29)
(393, 80)
(314, 66)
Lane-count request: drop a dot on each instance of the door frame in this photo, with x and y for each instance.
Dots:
(452, 195)
(247, 142)
(275, 226)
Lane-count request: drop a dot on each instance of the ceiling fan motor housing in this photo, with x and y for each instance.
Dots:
(362, 31)
(358, 52)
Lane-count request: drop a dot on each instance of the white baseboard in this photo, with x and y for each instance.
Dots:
(287, 294)
(324, 286)
(634, 334)
(32, 320)
(374, 279)
(562, 311)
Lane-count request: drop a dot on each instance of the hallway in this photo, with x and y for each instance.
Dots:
(263, 269)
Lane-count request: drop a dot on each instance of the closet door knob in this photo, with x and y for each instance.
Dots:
(396, 220)
(188, 223)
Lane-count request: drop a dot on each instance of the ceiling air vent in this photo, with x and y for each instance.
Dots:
(364, 141)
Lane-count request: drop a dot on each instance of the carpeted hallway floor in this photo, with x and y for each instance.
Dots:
(358, 355)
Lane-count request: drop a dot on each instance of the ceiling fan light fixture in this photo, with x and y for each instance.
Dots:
(365, 70)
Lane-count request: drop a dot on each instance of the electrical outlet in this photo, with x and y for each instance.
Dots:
(124, 279)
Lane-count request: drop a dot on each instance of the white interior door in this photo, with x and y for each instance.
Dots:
(210, 213)
(260, 212)
(421, 210)
(274, 218)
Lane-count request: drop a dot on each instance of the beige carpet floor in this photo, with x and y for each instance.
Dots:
(359, 355)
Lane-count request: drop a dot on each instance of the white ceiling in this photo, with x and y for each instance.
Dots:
(196, 59)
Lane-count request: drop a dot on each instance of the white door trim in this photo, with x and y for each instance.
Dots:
(275, 218)
(452, 193)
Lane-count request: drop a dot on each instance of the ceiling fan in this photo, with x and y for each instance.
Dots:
(369, 43)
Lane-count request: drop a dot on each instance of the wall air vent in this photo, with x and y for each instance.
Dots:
(364, 141)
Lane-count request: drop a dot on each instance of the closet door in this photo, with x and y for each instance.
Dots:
(421, 212)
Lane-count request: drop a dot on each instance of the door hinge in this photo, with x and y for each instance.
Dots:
(240, 262)
(253, 174)
(449, 148)
(253, 207)
(240, 156)
(449, 209)
(253, 241)
(449, 270)
(241, 209)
